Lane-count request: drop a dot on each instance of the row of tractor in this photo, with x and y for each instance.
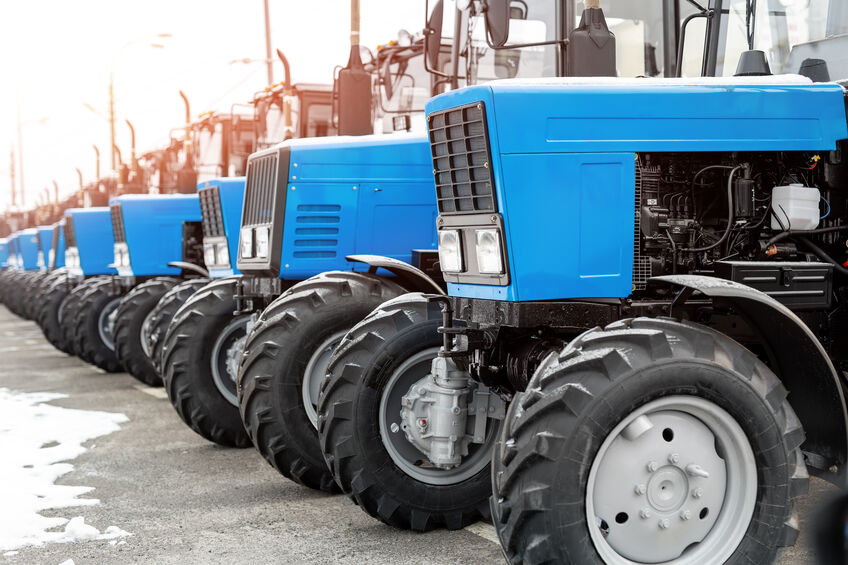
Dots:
(606, 313)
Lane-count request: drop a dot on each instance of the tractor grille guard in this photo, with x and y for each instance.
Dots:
(459, 142)
(261, 186)
(70, 239)
(263, 211)
(210, 209)
(118, 223)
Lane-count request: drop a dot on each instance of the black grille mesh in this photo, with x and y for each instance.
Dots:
(210, 210)
(260, 189)
(70, 240)
(647, 182)
(118, 224)
(459, 142)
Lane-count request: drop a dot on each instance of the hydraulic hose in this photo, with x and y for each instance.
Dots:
(823, 255)
(729, 211)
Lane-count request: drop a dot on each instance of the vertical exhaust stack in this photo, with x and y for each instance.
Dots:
(354, 86)
(591, 45)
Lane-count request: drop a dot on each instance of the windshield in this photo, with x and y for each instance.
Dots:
(790, 32)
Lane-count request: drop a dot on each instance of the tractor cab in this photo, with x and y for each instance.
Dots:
(304, 110)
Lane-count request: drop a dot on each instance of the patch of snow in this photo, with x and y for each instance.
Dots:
(10, 554)
(38, 439)
(68, 562)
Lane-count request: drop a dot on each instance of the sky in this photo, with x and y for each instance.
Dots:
(56, 56)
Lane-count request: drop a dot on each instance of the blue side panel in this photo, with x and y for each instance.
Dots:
(4, 253)
(563, 163)
(28, 246)
(45, 243)
(231, 191)
(59, 252)
(94, 239)
(153, 225)
(363, 195)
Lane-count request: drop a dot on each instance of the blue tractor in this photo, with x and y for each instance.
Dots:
(4, 253)
(88, 260)
(654, 286)
(49, 239)
(28, 271)
(309, 205)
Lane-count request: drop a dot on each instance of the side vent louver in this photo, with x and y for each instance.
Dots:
(316, 230)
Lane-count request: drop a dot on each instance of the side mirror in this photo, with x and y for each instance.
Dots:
(497, 21)
(433, 34)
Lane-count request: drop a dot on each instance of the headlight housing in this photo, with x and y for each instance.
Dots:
(263, 237)
(450, 251)
(247, 242)
(489, 259)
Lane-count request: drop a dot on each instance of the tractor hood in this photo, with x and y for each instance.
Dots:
(89, 241)
(221, 202)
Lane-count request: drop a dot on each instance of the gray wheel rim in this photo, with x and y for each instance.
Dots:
(144, 334)
(106, 323)
(314, 373)
(406, 456)
(675, 483)
(225, 355)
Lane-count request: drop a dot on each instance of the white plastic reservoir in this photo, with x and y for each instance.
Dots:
(797, 206)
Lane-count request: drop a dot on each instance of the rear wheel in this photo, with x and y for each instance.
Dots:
(33, 293)
(69, 309)
(52, 300)
(133, 326)
(94, 324)
(650, 441)
(200, 363)
(163, 313)
(374, 375)
(285, 360)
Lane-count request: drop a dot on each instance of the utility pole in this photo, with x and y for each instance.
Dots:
(112, 115)
(12, 173)
(268, 61)
(20, 147)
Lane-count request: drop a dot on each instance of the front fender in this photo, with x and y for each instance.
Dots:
(411, 278)
(801, 363)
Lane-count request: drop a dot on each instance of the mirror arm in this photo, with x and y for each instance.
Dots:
(678, 72)
(523, 45)
(428, 33)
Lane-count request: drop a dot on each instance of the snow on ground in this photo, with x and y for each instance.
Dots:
(36, 441)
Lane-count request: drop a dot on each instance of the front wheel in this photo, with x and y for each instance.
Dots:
(200, 363)
(381, 370)
(94, 324)
(656, 441)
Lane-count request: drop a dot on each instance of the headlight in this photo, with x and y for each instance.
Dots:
(40, 261)
(208, 254)
(263, 235)
(450, 251)
(222, 254)
(247, 242)
(489, 259)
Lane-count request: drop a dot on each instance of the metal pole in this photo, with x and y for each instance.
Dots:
(20, 150)
(112, 116)
(268, 60)
(12, 173)
(354, 22)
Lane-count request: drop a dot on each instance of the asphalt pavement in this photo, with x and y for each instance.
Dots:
(188, 501)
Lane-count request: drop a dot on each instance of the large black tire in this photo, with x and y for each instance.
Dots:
(187, 358)
(351, 438)
(555, 429)
(18, 296)
(91, 340)
(132, 343)
(68, 310)
(163, 313)
(10, 286)
(32, 296)
(41, 289)
(52, 299)
(303, 324)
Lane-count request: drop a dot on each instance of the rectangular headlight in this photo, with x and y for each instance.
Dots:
(263, 235)
(247, 242)
(489, 260)
(208, 254)
(222, 254)
(450, 251)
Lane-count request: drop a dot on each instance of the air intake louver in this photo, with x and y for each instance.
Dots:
(459, 141)
(260, 189)
(118, 224)
(647, 185)
(70, 240)
(210, 209)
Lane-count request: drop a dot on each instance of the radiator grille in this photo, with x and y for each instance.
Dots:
(459, 143)
(70, 240)
(210, 209)
(118, 224)
(647, 181)
(261, 185)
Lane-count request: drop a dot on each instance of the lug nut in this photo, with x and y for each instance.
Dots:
(674, 459)
(664, 523)
(652, 466)
(641, 489)
(645, 513)
(395, 427)
(685, 515)
(698, 493)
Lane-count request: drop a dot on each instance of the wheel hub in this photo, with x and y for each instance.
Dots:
(662, 481)
(226, 354)
(106, 323)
